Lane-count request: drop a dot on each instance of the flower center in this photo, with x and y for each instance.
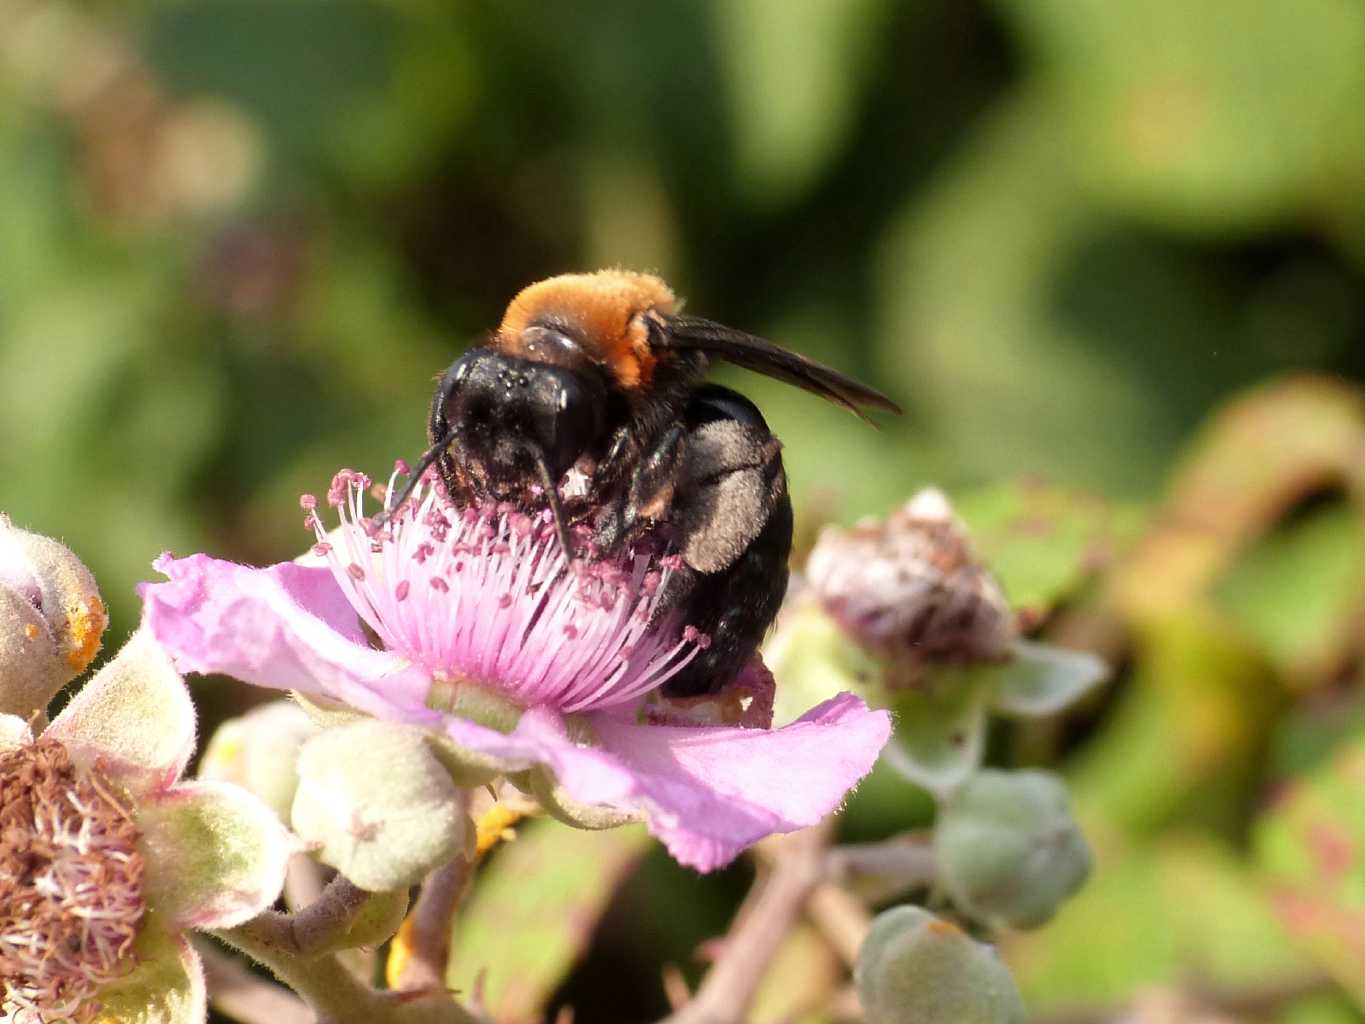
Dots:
(485, 597)
(70, 884)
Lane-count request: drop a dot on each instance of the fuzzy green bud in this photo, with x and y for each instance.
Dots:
(51, 618)
(378, 805)
(1008, 850)
(259, 751)
(915, 968)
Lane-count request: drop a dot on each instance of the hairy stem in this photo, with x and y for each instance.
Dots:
(321, 981)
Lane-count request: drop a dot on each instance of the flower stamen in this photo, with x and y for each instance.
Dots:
(71, 897)
(502, 606)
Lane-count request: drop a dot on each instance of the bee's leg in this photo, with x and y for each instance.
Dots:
(735, 516)
(649, 495)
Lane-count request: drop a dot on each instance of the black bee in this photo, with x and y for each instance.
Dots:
(589, 397)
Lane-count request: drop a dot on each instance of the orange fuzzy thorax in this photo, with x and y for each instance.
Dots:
(604, 307)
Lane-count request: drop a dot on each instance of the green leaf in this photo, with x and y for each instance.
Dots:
(1310, 845)
(1043, 542)
(533, 912)
(1299, 590)
(1210, 116)
(1148, 915)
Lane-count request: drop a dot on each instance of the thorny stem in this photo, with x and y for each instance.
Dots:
(759, 931)
(842, 918)
(905, 861)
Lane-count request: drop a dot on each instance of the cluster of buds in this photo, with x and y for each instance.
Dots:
(107, 858)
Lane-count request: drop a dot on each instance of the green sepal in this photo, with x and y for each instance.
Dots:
(166, 986)
(216, 856)
(1042, 680)
(134, 717)
(940, 729)
(14, 732)
(540, 783)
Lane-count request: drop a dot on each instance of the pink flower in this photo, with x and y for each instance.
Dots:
(485, 635)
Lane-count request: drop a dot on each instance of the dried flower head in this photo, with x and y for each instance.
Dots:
(910, 586)
(106, 858)
(471, 624)
(71, 894)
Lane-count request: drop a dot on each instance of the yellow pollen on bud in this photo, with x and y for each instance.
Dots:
(88, 621)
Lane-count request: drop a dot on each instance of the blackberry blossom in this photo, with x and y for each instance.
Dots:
(470, 623)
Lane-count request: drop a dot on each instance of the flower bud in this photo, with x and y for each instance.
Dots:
(378, 804)
(1008, 850)
(911, 589)
(51, 618)
(915, 968)
(259, 752)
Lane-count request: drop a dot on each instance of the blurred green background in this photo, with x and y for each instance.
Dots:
(1111, 245)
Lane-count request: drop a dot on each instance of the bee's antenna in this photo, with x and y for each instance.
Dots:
(414, 478)
(556, 509)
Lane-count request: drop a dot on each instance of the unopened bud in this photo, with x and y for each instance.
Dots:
(259, 752)
(51, 618)
(1008, 850)
(910, 588)
(915, 968)
(378, 805)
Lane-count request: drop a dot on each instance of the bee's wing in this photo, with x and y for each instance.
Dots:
(754, 353)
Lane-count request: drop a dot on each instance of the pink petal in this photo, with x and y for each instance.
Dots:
(710, 792)
(540, 737)
(287, 626)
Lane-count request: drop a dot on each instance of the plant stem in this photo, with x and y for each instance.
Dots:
(762, 924)
(426, 932)
(321, 981)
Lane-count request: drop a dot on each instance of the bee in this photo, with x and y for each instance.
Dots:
(590, 398)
